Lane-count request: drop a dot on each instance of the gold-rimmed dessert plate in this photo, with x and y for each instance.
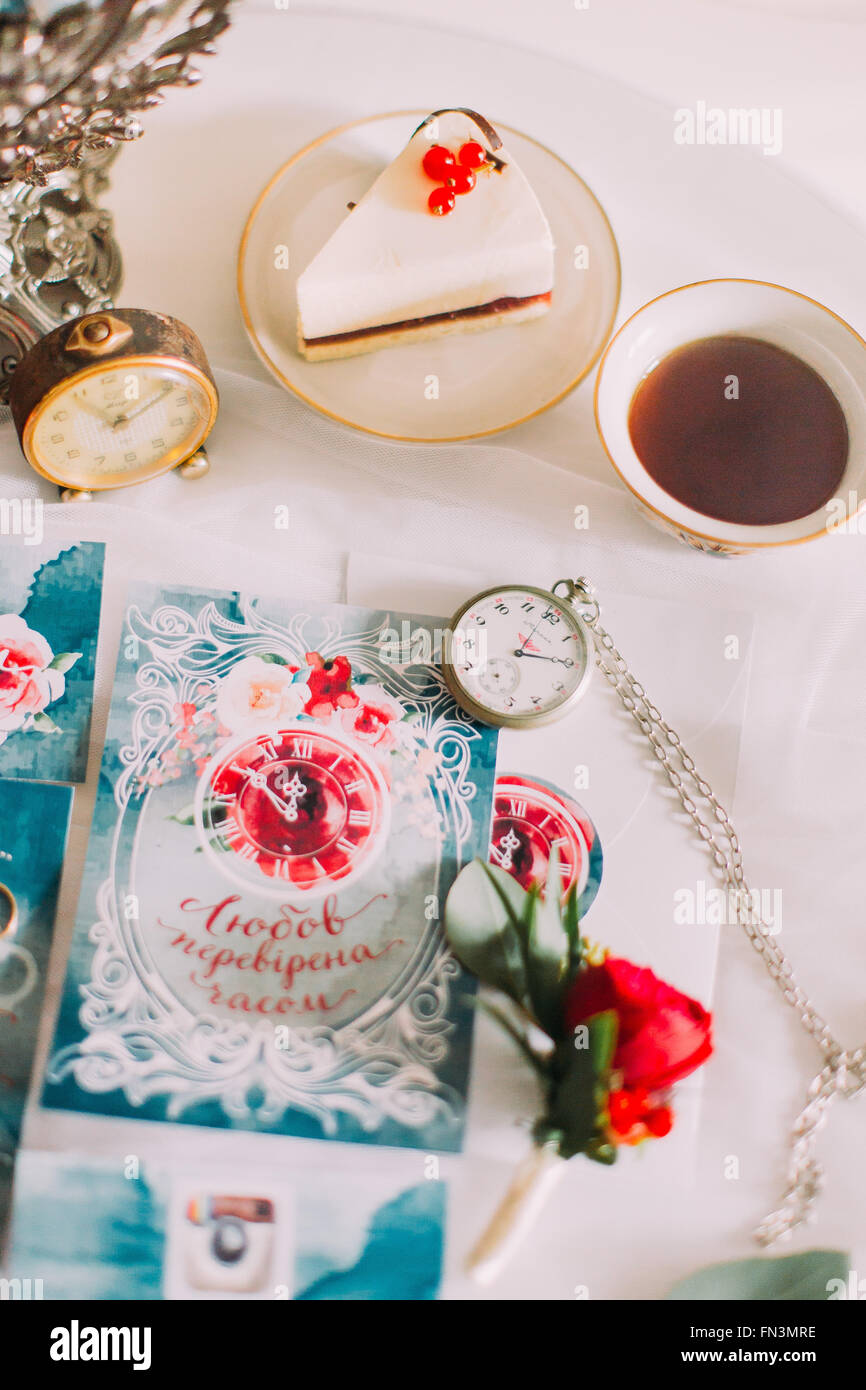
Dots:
(456, 387)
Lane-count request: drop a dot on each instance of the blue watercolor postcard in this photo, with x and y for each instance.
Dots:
(34, 821)
(285, 798)
(50, 598)
(93, 1229)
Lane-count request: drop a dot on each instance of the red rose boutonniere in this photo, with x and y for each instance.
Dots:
(608, 1040)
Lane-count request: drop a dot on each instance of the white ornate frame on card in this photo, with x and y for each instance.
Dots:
(141, 1039)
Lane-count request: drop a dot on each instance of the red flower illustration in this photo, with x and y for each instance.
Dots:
(185, 713)
(370, 720)
(329, 685)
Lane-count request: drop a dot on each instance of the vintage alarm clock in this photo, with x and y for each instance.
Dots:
(519, 657)
(112, 399)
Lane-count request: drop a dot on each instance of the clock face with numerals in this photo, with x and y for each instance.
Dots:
(111, 426)
(530, 818)
(296, 813)
(518, 656)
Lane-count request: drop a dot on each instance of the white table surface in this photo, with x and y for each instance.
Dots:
(801, 798)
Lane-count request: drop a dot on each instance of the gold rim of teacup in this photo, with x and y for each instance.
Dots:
(740, 543)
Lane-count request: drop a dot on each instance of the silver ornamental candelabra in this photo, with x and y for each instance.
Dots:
(73, 83)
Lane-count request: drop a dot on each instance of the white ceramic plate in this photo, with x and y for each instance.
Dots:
(486, 381)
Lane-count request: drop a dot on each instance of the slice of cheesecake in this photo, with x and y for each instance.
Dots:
(450, 238)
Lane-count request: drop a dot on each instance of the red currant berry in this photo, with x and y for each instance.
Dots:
(441, 201)
(438, 163)
(472, 154)
(461, 179)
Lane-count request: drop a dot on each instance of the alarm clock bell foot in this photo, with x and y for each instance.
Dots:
(194, 467)
(75, 494)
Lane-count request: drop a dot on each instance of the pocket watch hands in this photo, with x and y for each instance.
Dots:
(539, 656)
(527, 639)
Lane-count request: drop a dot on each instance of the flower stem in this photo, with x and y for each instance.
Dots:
(516, 1214)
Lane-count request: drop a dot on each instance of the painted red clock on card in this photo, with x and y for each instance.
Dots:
(530, 818)
(297, 812)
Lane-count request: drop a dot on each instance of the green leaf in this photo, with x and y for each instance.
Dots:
(814, 1276)
(274, 659)
(571, 923)
(578, 1099)
(547, 953)
(186, 815)
(544, 1133)
(64, 660)
(45, 724)
(508, 891)
(602, 1151)
(482, 915)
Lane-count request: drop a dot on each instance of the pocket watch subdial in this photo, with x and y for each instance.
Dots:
(499, 676)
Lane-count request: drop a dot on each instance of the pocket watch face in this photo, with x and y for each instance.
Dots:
(122, 423)
(297, 813)
(518, 656)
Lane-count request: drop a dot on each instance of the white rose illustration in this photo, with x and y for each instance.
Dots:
(257, 694)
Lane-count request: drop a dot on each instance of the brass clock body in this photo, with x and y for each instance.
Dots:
(114, 399)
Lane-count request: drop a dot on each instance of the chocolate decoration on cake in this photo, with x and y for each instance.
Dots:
(483, 124)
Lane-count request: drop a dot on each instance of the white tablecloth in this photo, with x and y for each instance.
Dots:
(505, 507)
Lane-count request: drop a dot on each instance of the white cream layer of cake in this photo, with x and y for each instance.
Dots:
(392, 260)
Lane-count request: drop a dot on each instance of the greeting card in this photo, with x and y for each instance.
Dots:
(34, 821)
(285, 798)
(171, 1232)
(50, 598)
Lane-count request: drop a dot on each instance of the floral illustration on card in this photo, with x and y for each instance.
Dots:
(50, 598)
(32, 677)
(282, 810)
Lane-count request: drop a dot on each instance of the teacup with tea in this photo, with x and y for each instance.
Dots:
(735, 411)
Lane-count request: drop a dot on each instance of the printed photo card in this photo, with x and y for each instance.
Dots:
(50, 597)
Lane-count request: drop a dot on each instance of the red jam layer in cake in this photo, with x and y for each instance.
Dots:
(476, 311)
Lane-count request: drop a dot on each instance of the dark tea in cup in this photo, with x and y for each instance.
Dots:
(741, 430)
